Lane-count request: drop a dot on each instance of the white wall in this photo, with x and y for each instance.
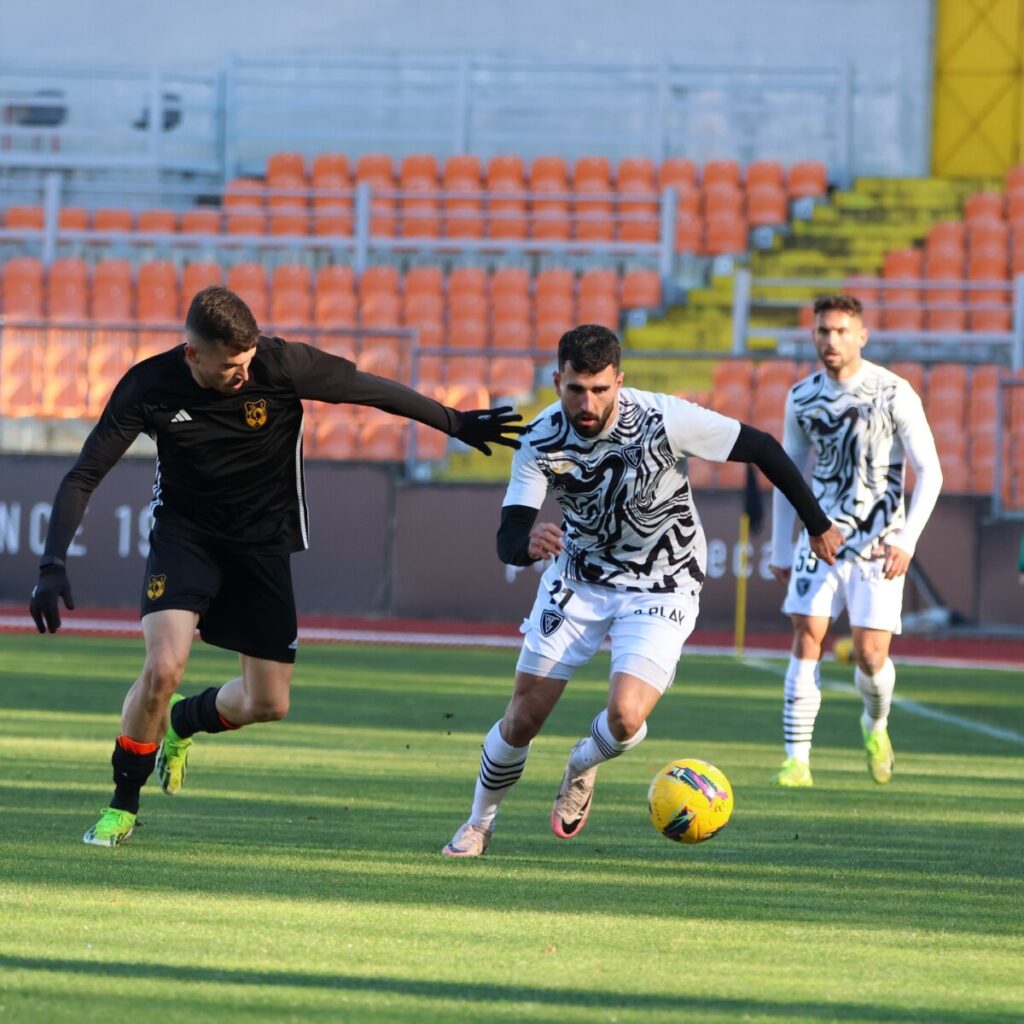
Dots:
(887, 42)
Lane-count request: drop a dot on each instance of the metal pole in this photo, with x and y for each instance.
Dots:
(1017, 347)
(460, 136)
(741, 286)
(51, 216)
(667, 239)
(362, 227)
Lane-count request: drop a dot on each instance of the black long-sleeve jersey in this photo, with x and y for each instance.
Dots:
(229, 465)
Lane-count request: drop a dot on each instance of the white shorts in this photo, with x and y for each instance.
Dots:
(570, 620)
(856, 584)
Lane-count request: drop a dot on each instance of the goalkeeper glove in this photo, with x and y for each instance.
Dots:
(53, 584)
(481, 427)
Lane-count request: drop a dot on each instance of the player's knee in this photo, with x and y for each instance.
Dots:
(870, 660)
(520, 726)
(162, 676)
(270, 708)
(624, 722)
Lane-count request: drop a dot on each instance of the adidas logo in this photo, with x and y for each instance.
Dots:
(181, 417)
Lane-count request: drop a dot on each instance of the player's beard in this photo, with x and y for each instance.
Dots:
(594, 428)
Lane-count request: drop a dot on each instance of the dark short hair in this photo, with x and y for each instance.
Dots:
(219, 316)
(838, 303)
(589, 348)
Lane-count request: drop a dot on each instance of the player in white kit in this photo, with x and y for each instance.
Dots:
(862, 423)
(628, 562)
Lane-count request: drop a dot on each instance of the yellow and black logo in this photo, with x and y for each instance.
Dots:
(256, 413)
(155, 587)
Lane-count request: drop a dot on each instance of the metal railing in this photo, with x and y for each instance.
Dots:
(1004, 347)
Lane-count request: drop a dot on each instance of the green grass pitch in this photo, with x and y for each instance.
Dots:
(298, 877)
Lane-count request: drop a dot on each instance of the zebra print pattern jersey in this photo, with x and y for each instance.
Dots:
(629, 517)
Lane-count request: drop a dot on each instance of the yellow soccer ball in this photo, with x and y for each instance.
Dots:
(843, 650)
(689, 800)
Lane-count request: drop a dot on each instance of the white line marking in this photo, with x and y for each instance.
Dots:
(911, 707)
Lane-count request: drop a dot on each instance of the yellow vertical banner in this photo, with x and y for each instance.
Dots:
(977, 103)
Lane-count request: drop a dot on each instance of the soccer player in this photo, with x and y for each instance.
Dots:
(628, 561)
(863, 422)
(229, 509)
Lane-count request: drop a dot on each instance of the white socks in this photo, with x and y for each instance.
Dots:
(877, 693)
(802, 701)
(601, 745)
(501, 766)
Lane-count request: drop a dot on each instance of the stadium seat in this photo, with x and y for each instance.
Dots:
(510, 282)
(421, 215)
(331, 181)
(287, 187)
(73, 218)
(377, 170)
(249, 282)
(767, 174)
(245, 221)
(290, 307)
(550, 217)
(511, 332)
(725, 235)
(157, 221)
(506, 217)
(641, 289)
(593, 217)
(913, 374)
(511, 377)
(466, 375)
(200, 222)
(65, 376)
(766, 206)
(867, 291)
(110, 351)
(22, 287)
(288, 222)
(638, 217)
(948, 237)
(464, 213)
(158, 292)
(383, 440)
(984, 207)
(689, 232)
(244, 194)
(600, 308)
(807, 179)
(21, 362)
(732, 387)
(722, 199)
(381, 277)
(112, 220)
(22, 218)
(335, 433)
(727, 171)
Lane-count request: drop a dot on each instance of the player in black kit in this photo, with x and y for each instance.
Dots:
(229, 509)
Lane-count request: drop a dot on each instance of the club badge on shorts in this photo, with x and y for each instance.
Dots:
(803, 585)
(550, 621)
(256, 413)
(155, 586)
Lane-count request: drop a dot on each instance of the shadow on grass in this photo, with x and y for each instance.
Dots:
(508, 994)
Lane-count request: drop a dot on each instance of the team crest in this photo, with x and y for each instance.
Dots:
(633, 454)
(256, 413)
(550, 621)
(155, 586)
(802, 586)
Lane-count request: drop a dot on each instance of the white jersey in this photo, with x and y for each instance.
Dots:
(861, 430)
(630, 521)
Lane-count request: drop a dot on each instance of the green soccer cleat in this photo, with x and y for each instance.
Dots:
(881, 759)
(172, 758)
(113, 828)
(793, 773)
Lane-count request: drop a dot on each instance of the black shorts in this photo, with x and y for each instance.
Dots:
(244, 599)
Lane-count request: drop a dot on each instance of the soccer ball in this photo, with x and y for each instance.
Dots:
(689, 800)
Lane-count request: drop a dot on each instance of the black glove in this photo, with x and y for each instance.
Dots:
(53, 583)
(481, 427)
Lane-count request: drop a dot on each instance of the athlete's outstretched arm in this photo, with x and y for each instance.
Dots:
(326, 378)
(760, 448)
(119, 425)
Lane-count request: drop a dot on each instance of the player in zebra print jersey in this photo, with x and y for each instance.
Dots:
(863, 423)
(627, 562)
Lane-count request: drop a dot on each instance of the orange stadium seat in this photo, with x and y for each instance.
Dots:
(245, 221)
(332, 213)
(722, 199)
(727, 171)
(291, 298)
(157, 221)
(73, 218)
(200, 222)
(195, 277)
(287, 186)
(913, 374)
(23, 218)
(110, 351)
(510, 282)
(511, 376)
(767, 206)
(468, 373)
(377, 170)
(550, 217)
(765, 173)
(421, 215)
(867, 291)
(381, 277)
(807, 179)
(948, 237)
(984, 207)
(112, 220)
(244, 194)
(21, 363)
(601, 309)
(506, 217)
(65, 377)
(638, 218)
(463, 214)
(249, 282)
(335, 433)
(593, 217)
(946, 401)
(427, 280)
(158, 292)
(677, 172)
(288, 222)
(989, 238)
(689, 232)
(383, 440)
(511, 332)
(641, 289)
(725, 235)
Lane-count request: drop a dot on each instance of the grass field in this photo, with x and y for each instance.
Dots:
(299, 878)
